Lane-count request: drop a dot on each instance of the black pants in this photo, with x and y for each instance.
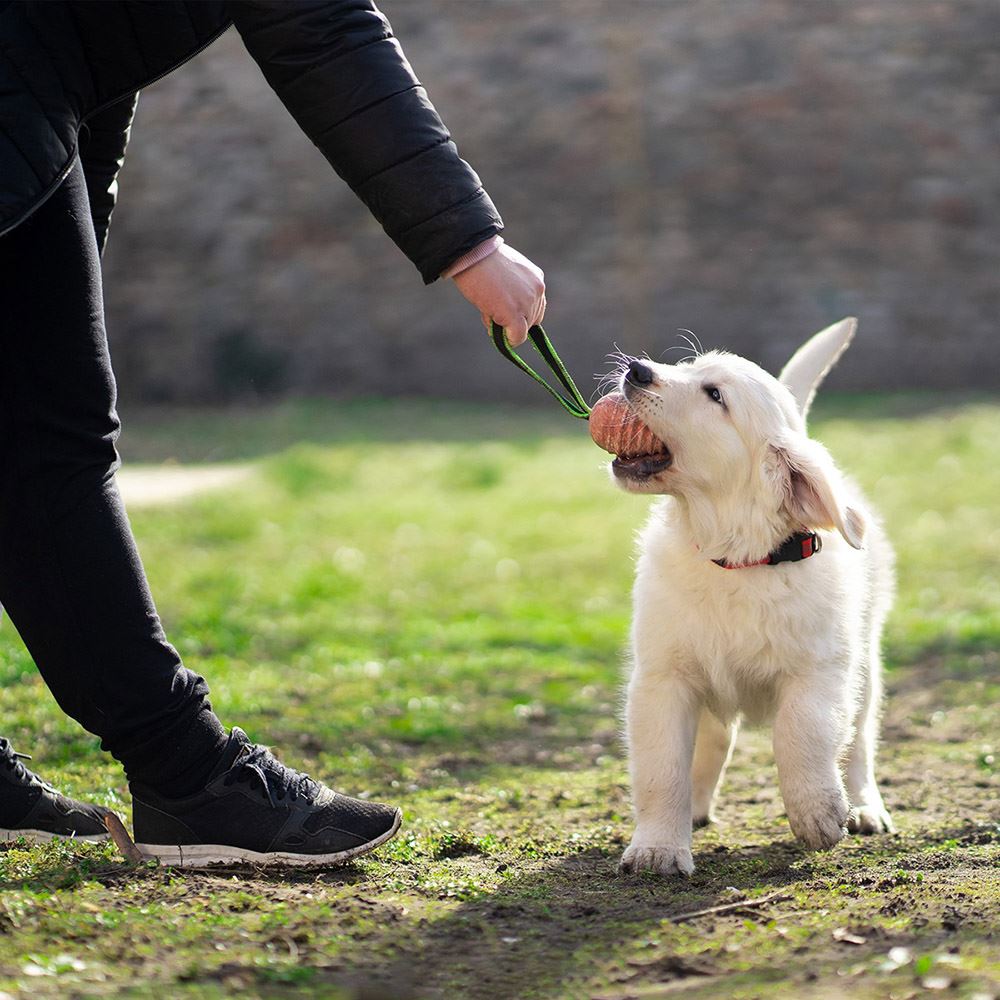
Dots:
(70, 577)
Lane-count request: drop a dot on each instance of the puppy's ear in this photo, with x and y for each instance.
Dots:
(809, 365)
(812, 489)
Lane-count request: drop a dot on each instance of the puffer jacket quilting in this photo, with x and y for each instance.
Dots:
(333, 63)
(63, 62)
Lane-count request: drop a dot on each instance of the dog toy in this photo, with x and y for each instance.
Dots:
(615, 428)
(572, 402)
(613, 425)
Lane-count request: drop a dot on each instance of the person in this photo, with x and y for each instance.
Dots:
(70, 576)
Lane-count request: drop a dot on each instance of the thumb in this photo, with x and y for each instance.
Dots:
(516, 331)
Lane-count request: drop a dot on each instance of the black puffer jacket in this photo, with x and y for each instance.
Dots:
(334, 64)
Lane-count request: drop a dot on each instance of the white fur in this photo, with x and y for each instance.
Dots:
(809, 365)
(794, 644)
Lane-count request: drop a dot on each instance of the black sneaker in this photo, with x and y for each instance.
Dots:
(255, 810)
(33, 809)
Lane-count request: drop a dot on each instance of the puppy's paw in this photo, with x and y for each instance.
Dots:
(702, 820)
(664, 860)
(870, 819)
(820, 824)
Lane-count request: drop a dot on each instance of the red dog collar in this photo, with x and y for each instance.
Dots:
(801, 545)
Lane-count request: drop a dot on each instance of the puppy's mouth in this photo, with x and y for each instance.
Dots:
(641, 466)
(639, 453)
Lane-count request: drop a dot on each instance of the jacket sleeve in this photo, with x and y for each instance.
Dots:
(103, 139)
(340, 72)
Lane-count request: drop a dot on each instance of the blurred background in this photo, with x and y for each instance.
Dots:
(750, 171)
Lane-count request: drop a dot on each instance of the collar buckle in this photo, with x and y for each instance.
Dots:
(797, 547)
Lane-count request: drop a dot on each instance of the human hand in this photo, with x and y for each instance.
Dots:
(506, 288)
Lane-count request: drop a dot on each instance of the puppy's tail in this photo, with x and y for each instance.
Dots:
(809, 365)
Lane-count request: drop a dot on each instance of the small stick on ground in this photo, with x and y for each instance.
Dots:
(122, 840)
(743, 904)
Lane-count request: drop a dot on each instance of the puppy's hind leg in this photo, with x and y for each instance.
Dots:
(868, 813)
(712, 749)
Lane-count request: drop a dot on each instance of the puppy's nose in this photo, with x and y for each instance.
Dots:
(639, 373)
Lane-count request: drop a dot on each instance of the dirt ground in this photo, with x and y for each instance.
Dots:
(909, 915)
(913, 914)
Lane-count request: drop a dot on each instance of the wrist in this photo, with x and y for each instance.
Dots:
(474, 256)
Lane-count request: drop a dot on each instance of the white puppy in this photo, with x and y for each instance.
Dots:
(718, 632)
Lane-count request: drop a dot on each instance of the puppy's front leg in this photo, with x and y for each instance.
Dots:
(810, 732)
(662, 717)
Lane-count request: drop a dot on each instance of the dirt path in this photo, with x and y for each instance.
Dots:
(149, 485)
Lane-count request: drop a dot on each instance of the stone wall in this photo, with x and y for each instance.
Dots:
(750, 170)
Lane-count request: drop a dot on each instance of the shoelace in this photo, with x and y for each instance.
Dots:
(275, 778)
(11, 759)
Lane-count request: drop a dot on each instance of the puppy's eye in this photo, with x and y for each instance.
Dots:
(714, 394)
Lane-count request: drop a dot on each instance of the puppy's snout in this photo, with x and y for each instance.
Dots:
(639, 373)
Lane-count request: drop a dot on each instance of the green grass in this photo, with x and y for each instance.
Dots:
(428, 603)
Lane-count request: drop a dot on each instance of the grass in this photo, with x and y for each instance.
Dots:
(427, 603)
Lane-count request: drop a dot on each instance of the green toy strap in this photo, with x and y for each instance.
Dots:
(573, 402)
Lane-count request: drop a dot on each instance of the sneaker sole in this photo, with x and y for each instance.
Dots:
(205, 855)
(44, 836)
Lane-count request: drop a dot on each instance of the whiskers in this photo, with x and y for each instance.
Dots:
(618, 362)
(692, 344)
(609, 381)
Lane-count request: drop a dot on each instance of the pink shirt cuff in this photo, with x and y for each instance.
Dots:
(474, 256)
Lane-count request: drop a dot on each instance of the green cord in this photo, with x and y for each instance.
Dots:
(573, 402)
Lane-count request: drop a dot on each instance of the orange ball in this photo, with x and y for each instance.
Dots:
(615, 428)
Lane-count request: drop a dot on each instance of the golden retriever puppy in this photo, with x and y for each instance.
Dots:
(762, 585)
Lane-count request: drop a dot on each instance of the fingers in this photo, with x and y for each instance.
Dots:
(516, 330)
(516, 333)
(540, 311)
(506, 288)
